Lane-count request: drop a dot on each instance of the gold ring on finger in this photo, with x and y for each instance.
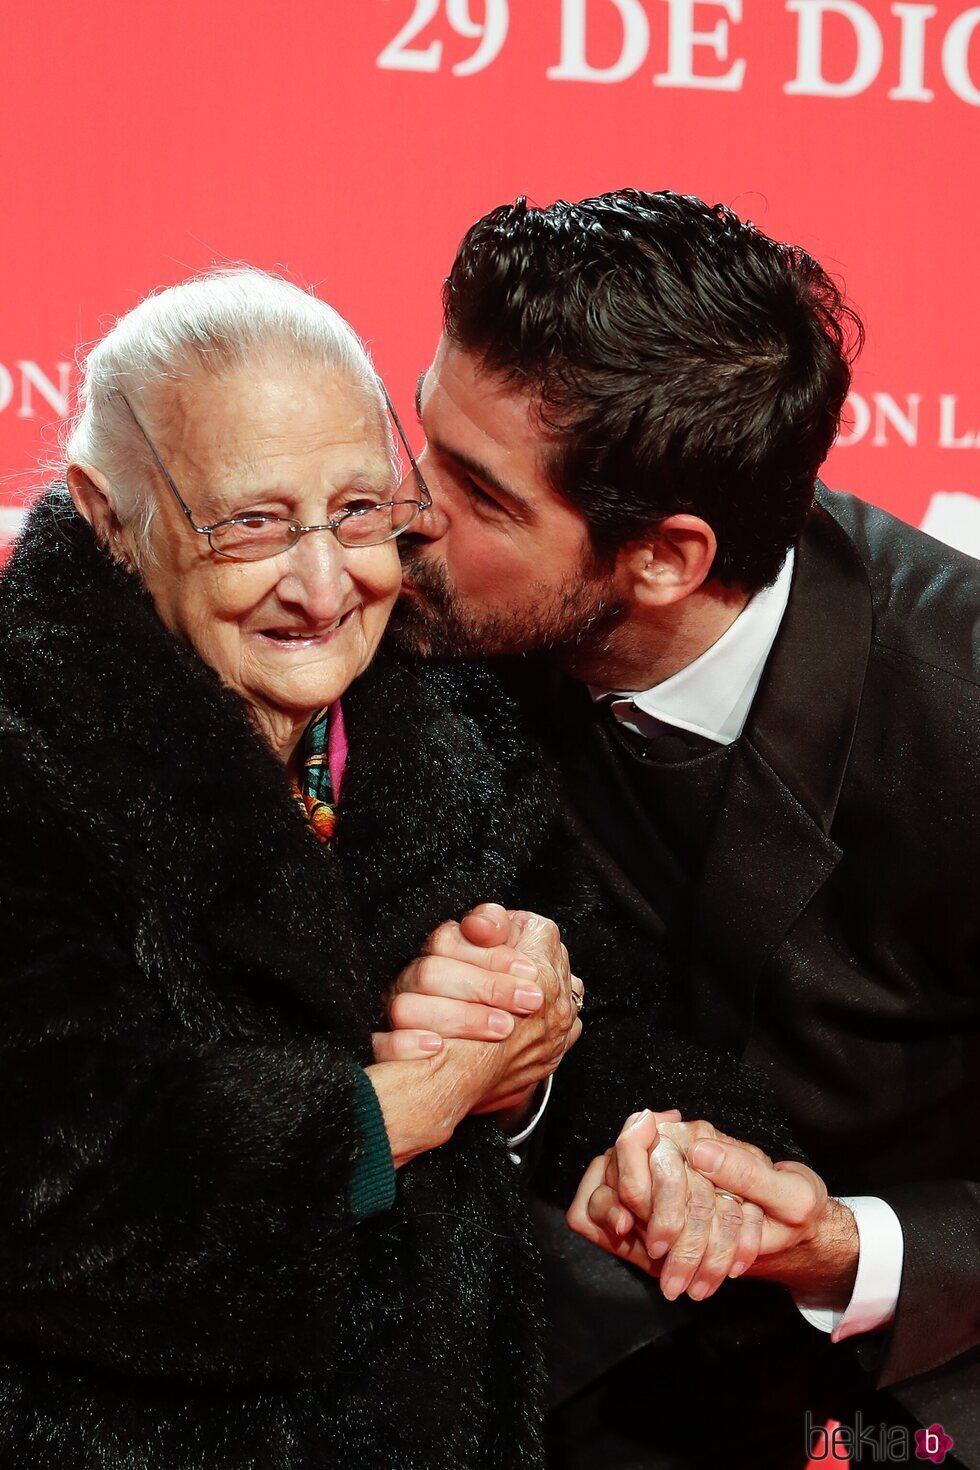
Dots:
(578, 996)
(726, 1194)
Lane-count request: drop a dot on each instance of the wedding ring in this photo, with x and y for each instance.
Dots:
(725, 1194)
(578, 996)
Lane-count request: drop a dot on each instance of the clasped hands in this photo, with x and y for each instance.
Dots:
(497, 989)
(677, 1199)
(695, 1207)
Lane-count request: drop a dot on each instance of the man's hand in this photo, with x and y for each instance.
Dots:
(810, 1242)
(789, 1231)
(643, 1202)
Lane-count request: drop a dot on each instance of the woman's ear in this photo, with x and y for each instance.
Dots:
(90, 495)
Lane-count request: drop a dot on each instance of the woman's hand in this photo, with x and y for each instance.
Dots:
(423, 1100)
(469, 984)
(497, 976)
(536, 1043)
(643, 1201)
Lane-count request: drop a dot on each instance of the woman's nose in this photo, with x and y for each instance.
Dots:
(316, 577)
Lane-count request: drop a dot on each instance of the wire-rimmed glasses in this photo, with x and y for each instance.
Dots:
(366, 522)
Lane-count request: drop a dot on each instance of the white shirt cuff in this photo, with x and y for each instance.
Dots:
(525, 1133)
(881, 1251)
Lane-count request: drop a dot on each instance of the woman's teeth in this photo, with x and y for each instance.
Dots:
(306, 635)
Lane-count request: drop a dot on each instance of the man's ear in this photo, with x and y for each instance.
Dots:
(90, 494)
(671, 562)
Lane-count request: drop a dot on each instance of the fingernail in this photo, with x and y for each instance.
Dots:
(707, 1155)
(430, 1043)
(736, 1270)
(624, 1223)
(670, 1287)
(528, 999)
(639, 1118)
(698, 1292)
(657, 1248)
(523, 970)
(498, 1023)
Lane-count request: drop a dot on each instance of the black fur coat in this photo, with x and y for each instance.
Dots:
(187, 980)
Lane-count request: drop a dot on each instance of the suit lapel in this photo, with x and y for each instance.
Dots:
(771, 848)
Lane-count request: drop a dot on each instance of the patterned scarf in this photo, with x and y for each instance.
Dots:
(323, 757)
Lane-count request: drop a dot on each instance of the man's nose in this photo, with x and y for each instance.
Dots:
(430, 524)
(316, 578)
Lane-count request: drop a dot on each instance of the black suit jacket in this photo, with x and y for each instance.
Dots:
(836, 916)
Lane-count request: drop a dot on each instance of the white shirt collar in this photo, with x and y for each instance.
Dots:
(713, 695)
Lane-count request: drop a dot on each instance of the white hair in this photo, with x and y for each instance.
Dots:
(217, 322)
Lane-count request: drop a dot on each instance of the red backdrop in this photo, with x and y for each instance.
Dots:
(350, 142)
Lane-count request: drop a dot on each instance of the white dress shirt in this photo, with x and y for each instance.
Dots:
(712, 697)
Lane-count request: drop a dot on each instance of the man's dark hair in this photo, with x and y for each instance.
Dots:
(688, 363)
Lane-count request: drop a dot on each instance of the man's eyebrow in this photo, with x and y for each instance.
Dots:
(475, 467)
(512, 501)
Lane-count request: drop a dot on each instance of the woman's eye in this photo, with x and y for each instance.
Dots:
(362, 502)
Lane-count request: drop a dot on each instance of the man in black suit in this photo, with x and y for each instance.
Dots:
(762, 700)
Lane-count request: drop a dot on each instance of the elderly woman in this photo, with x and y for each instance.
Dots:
(204, 1258)
(227, 832)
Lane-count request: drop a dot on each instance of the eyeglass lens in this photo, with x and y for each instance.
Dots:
(253, 539)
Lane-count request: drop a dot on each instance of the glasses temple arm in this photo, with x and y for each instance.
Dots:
(160, 464)
(408, 448)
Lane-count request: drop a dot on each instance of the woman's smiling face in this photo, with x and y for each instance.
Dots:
(290, 633)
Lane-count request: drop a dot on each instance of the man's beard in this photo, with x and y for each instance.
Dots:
(573, 624)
